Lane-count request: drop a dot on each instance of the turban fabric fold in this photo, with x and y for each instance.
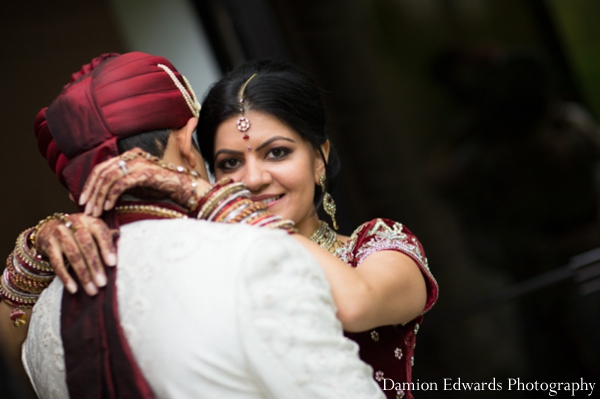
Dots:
(113, 97)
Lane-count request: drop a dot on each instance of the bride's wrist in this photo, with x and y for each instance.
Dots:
(229, 202)
(193, 192)
(26, 275)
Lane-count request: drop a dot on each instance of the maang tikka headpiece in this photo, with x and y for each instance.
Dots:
(243, 124)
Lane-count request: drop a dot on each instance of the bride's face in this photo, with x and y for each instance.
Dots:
(276, 164)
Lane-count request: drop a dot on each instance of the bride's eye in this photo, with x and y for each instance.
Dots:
(278, 153)
(228, 164)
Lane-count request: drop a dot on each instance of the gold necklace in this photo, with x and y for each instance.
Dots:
(151, 210)
(326, 237)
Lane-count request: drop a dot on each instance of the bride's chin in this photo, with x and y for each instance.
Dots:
(279, 211)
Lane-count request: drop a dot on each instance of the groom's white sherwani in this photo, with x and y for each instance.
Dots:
(216, 311)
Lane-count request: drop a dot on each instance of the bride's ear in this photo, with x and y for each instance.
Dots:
(320, 162)
(184, 139)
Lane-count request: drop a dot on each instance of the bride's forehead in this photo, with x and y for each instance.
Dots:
(254, 125)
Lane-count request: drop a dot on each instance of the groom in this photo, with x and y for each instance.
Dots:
(197, 309)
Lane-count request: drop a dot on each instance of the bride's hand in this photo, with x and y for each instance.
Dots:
(113, 177)
(78, 242)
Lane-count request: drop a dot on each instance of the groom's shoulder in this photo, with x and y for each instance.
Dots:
(187, 234)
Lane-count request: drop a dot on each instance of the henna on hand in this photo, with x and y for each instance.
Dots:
(176, 186)
(49, 247)
(108, 182)
(79, 245)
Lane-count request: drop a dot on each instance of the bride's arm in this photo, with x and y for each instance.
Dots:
(386, 288)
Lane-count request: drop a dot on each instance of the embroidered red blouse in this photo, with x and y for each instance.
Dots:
(389, 349)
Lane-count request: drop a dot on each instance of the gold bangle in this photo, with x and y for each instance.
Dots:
(43, 276)
(29, 254)
(25, 284)
(233, 208)
(41, 223)
(216, 197)
(227, 200)
(243, 211)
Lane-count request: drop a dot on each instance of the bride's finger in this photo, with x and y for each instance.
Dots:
(89, 251)
(101, 170)
(90, 183)
(55, 257)
(103, 185)
(72, 252)
(105, 238)
(118, 170)
(109, 168)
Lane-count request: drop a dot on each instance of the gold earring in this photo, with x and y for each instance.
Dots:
(328, 202)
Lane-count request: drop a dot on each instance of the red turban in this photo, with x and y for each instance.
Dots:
(113, 97)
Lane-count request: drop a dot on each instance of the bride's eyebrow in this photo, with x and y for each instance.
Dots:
(228, 152)
(272, 139)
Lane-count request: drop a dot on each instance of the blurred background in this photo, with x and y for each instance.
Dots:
(473, 122)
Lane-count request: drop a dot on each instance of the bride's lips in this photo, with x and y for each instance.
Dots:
(268, 199)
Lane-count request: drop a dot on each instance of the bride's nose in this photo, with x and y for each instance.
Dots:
(256, 177)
